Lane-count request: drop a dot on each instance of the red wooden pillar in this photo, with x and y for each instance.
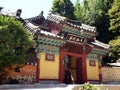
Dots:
(84, 67)
(100, 69)
(61, 70)
(100, 74)
(37, 70)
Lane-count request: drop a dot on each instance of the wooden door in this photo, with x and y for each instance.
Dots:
(79, 70)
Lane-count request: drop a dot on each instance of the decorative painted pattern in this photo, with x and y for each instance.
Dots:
(77, 32)
(49, 49)
(51, 41)
(92, 56)
(99, 51)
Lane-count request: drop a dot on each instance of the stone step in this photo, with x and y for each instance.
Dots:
(54, 87)
(36, 85)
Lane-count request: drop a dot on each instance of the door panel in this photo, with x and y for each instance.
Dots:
(73, 68)
(79, 70)
(73, 72)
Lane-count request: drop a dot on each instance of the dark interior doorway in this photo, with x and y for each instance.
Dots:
(73, 70)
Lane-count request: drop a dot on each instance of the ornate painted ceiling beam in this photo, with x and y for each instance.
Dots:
(77, 32)
(51, 41)
(101, 52)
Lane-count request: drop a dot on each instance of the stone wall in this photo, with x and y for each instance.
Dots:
(111, 74)
(26, 74)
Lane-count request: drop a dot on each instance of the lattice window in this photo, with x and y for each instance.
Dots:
(50, 57)
(92, 63)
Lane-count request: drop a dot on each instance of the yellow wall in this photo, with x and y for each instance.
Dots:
(92, 71)
(49, 69)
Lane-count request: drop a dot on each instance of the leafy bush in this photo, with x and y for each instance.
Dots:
(88, 86)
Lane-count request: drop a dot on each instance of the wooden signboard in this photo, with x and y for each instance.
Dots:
(74, 38)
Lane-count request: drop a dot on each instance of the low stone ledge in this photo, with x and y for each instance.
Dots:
(36, 85)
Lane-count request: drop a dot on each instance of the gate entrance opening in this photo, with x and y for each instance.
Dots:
(73, 70)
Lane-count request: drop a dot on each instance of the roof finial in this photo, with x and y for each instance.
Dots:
(41, 14)
(52, 12)
(19, 11)
(1, 8)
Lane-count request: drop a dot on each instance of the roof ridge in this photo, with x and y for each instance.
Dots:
(101, 44)
(88, 26)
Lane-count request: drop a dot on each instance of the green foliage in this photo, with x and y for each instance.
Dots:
(88, 11)
(79, 11)
(64, 8)
(94, 13)
(114, 14)
(88, 86)
(115, 48)
(14, 42)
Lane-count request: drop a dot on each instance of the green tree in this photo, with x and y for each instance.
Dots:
(94, 13)
(64, 8)
(14, 42)
(114, 15)
(78, 11)
(115, 49)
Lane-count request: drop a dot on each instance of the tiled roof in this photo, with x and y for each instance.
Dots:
(31, 27)
(34, 18)
(9, 13)
(56, 18)
(37, 19)
(89, 28)
(81, 26)
(117, 64)
(34, 28)
(74, 23)
(27, 25)
(50, 34)
(100, 44)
